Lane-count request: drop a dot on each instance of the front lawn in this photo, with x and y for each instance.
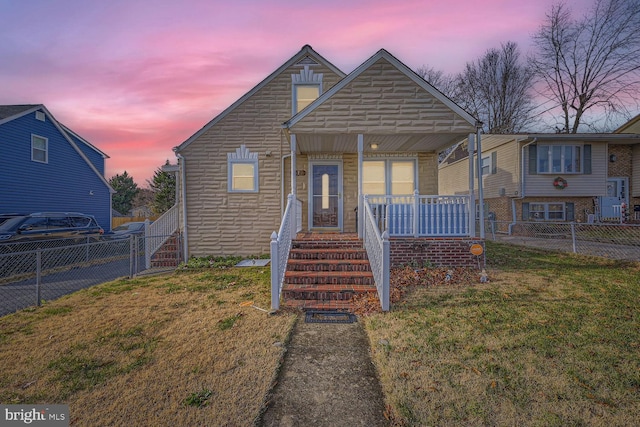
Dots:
(552, 339)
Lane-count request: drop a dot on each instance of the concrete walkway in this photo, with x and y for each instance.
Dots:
(327, 379)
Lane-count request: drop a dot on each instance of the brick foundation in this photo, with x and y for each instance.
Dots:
(437, 252)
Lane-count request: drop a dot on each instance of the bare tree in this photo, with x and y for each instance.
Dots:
(590, 64)
(497, 89)
(445, 83)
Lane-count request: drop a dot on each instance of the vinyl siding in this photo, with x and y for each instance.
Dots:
(635, 174)
(62, 184)
(454, 178)
(225, 223)
(593, 184)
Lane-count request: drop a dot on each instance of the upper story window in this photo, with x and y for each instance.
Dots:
(306, 88)
(242, 169)
(559, 159)
(39, 149)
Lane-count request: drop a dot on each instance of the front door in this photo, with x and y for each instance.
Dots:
(325, 195)
(616, 194)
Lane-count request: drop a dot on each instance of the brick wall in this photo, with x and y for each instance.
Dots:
(437, 252)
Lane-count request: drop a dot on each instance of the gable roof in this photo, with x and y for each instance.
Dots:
(302, 55)
(382, 54)
(14, 112)
(628, 126)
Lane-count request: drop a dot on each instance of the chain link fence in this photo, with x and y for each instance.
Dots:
(614, 241)
(32, 272)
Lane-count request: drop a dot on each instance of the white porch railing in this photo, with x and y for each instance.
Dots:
(437, 216)
(281, 245)
(377, 246)
(159, 231)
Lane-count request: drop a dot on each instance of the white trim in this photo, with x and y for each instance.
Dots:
(306, 51)
(340, 164)
(382, 54)
(242, 156)
(46, 149)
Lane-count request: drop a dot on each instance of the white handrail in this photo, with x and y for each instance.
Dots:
(422, 216)
(159, 231)
(378, 252)
(280, 247)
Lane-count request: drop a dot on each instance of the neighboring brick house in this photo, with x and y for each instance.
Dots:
(375, 131)
(46, 167)
(550, 177)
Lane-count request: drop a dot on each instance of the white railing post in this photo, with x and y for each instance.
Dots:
(416, 213)
(386, 256)
(293, 215)
(275, 276)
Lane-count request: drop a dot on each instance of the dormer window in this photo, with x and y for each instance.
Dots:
(306, 88)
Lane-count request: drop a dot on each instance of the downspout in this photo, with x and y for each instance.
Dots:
(282, 207)
(185, 238)
(514, 218)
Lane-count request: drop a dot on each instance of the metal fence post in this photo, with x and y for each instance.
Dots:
(147, 245)
(132, 256)
(386, 267)
(38, 274)
(573, 237)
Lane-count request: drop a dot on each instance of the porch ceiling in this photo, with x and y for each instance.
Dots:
(348, 143)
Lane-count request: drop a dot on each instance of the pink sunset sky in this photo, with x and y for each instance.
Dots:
(138, 77)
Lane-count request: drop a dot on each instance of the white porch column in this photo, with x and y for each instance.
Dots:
(472, 196)
(360, 214)
(294, 183)
(480, 186)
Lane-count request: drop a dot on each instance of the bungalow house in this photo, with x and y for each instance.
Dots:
(550, 177)
(46, 167)
(314, 153)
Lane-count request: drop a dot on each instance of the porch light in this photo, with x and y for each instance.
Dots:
(373, 146)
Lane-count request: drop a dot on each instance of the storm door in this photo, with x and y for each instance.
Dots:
(325, 195)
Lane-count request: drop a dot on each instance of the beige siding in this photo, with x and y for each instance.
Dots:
(635, 177)
(241, 223)
(382, 100)
(593, 184)
(454, 178)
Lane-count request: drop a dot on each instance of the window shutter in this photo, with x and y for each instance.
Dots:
(494, 164)
(587, 158)
(533, 159)
(525, 211)
(570, 211)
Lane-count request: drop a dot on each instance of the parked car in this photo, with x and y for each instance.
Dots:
(125, 230)
(49, 225)
(6, 216)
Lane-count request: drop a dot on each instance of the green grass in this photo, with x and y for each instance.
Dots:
(553, 339)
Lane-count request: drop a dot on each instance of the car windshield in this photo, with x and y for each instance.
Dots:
(11, 223)
(132, 226)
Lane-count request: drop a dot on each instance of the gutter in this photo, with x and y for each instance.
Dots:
(183, 188)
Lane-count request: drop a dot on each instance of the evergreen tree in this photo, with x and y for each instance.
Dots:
(126, 191)
(163, 186)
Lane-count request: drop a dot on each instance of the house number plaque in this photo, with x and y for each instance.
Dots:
(301, 172)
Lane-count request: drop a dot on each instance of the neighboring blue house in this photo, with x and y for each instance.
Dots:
(46, 167)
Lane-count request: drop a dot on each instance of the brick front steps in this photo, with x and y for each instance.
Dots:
(168, 255)
(325, 271)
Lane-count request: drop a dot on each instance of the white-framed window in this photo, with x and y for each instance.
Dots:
(39, 149)
(559, 159)
(242, 169)
(306, 87)
(304, 94)
(486, 165)
(389, 177)
(546, 211)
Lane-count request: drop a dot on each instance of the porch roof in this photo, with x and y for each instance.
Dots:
(386, 102)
